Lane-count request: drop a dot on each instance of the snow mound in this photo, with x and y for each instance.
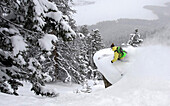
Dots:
(146, 83)
(112, 71)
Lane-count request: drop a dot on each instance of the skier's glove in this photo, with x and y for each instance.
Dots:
(111, 61)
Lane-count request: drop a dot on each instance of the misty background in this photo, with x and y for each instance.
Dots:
(149, 17)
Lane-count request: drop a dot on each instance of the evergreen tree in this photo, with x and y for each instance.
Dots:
(84, 30)
(29, 30)
(39, 43)
(93, 43)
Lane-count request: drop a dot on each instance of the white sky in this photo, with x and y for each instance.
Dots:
(103, 10)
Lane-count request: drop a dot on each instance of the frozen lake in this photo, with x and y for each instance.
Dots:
(92, 11)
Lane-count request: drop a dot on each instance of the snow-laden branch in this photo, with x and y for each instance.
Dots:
(29, 31)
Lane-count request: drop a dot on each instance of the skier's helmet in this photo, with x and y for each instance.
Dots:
(112, 45)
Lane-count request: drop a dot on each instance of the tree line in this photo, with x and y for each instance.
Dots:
(40, 43)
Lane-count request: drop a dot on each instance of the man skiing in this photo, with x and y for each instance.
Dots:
(119, 53)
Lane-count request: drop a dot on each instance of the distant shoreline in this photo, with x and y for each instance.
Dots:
(149, 13)
(118, 30)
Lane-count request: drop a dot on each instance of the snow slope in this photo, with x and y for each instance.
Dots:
(113, 71)
(146, 83)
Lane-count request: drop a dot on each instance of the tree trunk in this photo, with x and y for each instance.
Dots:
(106, 82)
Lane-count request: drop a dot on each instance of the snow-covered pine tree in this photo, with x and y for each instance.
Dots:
(71, 63)
(66, 72)
(97, 43)
(84, 30)
(34, 45)
(93, 43)
(28, 30)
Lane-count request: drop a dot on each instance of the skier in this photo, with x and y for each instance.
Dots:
(119, 53)
(135, 39)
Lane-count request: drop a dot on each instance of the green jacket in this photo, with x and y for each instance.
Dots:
(119, 53)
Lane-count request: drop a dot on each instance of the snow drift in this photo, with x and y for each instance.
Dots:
(112, 71)
(146, 83)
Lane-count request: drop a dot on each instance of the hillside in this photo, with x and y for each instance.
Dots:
(118, 31)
